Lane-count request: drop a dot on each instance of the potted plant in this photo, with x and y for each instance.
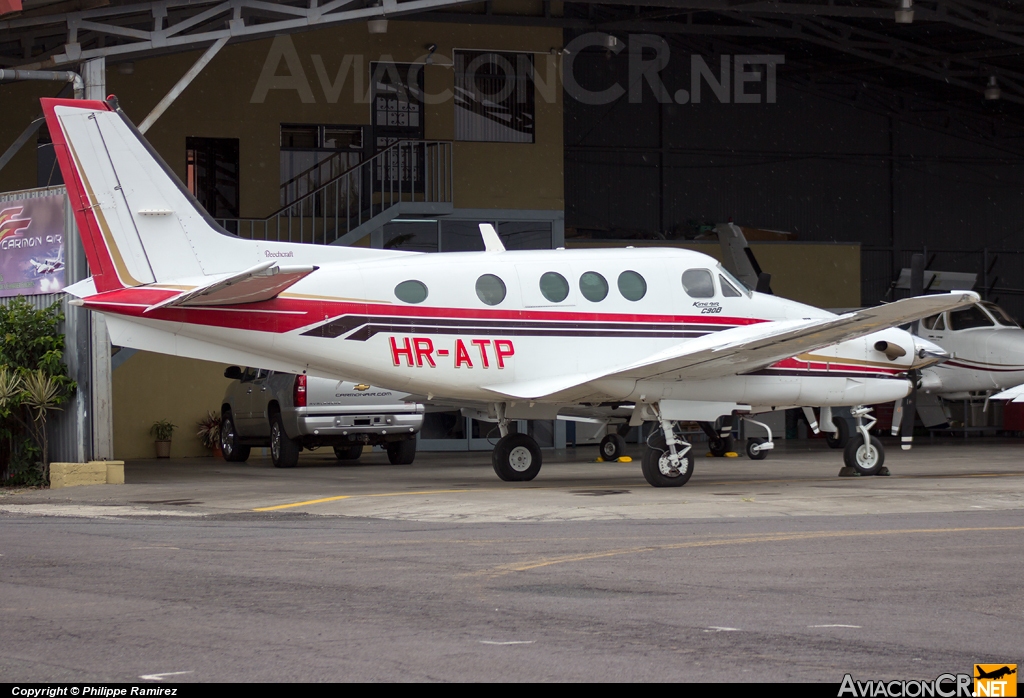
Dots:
(209, 432)
(162, 431)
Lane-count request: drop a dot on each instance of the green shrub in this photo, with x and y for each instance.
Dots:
(34, 382)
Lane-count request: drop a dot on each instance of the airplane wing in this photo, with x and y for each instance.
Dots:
(1012, 394)
(746, 349)
(259, 283)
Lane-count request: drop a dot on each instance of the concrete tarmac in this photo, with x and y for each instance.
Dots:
(777, 570)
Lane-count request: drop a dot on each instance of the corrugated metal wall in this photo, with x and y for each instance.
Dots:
(68, 430)
(808, 164)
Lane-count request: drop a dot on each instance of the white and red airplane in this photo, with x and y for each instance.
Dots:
(527, 333)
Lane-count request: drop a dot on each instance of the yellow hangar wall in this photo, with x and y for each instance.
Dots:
(149, 387)
(321, 77)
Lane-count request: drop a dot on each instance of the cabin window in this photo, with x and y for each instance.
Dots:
(698, 283)
(929, 322)
(490, 289)
(728, 290)
(411, 291)
(968, 318)
(593, 286)
(554, 287)
(632, 286)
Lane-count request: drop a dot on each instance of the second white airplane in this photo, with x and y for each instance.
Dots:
(526, 333)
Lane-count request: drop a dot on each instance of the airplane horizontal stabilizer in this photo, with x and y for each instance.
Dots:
(1015, 394)
(259, 283)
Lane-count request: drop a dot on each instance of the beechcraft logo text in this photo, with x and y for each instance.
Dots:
(995, 680)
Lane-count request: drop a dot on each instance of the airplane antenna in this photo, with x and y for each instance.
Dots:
(492, 243)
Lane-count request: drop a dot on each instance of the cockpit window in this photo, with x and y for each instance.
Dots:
(968, 318)
(929, 322)
(1001, 316)
(733, 281)
(728, 290)
(698, 283)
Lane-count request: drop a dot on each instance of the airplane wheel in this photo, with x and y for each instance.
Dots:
(350, 452)
(838, 439)
(756, 455)
(865, 459)
(283, 451)
(233, 453)
(719, 447)
(516, 458)
(402, 452)
(612, 446)
(657, 468)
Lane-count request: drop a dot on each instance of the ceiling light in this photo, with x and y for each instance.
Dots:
(992, 90)
(905, 14)
(377, 26)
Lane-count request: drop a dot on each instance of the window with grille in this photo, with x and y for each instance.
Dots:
(494, 97)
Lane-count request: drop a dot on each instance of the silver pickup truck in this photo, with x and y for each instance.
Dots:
(289, 412)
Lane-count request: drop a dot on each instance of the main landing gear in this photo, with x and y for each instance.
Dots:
(668, 458)
(516, 457)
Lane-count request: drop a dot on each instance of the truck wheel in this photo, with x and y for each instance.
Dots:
(351, 452)
(402, 452)
(283, 451)
(233, 453)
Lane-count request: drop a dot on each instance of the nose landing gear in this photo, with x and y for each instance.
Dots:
(863, 454)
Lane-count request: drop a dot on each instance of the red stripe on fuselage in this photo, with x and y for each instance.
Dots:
(302, 312)
(837, 365)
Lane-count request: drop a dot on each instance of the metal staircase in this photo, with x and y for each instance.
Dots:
(407, 177)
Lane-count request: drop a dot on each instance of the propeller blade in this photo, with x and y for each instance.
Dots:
(910, 411)
(897, 417)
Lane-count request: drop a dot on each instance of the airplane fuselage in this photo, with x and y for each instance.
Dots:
(349, 320)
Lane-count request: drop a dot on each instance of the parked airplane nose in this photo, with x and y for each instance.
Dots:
(927, 353)
(1004, 350)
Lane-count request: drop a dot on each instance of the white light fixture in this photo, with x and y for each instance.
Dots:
(126, 68)
(610, 41)
(377, 26)
(905, 14)
(992, 90)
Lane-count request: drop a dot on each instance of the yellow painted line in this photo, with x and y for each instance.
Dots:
(303, 504)
(310, 502)
(782, 537)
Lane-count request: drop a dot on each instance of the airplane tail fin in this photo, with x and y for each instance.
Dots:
(138, 223)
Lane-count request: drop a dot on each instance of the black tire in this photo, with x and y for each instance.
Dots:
(612, 446)
(840, 437)
(651, 464)
(402, 452)
(350, 452)
(865, 460)
(284, 452)
(232, 452)
(756, 455)
(719, 446)
(516, 458)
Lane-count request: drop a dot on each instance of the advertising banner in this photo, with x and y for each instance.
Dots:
(32, 246)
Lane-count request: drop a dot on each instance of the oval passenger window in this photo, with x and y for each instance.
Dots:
(411, 291)
(490, 289)
(593, 286)
(698, 283)
(632, 286)
(554, 287)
